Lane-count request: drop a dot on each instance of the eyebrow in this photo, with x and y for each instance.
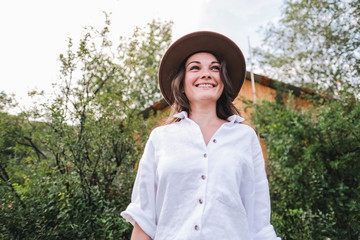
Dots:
(199, 62)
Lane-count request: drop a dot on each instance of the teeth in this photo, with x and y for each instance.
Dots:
(205, 85)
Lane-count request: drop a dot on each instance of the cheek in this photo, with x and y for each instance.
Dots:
(220, 92)
(188, 81)
(222, 88)
(221, 84)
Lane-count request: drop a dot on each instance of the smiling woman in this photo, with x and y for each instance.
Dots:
(201, 176)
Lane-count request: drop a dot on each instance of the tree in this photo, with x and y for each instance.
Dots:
(315, 44)
(313, 166)
(85, 141)
(7, 144)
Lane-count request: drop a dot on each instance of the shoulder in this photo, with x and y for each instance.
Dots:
(166, 127)
(241, 133)
(164, 130)
(244, 128)
(239, 123)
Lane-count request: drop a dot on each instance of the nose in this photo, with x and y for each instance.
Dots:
(206, 74)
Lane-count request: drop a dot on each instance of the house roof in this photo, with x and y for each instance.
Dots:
(275, 84)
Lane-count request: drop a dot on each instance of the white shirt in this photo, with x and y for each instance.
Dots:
(185, 189)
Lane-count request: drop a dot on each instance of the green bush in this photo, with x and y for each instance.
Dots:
(67, 165)
(52, 212)
(313, 166)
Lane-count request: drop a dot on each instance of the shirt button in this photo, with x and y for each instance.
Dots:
(201, 201)
(197, 227)
(203, 177)
(214, 141)
(205, 155)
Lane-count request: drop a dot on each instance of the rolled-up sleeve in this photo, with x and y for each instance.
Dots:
(142, 207)
(261, 226)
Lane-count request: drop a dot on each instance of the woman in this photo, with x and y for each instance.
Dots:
(202, 176)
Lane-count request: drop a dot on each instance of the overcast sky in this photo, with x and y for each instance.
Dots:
(34, 33)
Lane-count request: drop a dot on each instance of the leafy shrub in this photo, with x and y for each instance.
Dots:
(313, 166)
(67, 166)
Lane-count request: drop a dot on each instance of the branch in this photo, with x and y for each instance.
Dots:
(5, 177)
(103, 82)
(37, 150)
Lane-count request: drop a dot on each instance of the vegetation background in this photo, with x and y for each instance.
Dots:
(68, 164)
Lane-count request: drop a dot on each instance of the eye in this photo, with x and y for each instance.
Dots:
(215, 67)
(194, 67)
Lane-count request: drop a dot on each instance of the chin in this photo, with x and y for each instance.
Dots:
(207, 99)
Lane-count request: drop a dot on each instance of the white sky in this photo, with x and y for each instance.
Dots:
(34, 33)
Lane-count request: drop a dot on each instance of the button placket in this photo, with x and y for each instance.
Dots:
(203, 177)
(202, 191)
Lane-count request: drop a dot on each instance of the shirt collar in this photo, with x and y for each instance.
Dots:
(235, 119)
(232, 119)
(181, 115)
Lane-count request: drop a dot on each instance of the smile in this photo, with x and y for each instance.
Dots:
(206, 85)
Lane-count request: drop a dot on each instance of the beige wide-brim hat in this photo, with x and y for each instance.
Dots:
(202, 41)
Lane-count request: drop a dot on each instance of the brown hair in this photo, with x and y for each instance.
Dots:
(224, 106)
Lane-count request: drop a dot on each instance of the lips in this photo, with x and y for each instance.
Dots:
(205, 85)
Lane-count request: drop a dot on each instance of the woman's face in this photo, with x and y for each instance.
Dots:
(202, 81)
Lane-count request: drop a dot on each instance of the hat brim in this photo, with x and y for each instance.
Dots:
(202, 41)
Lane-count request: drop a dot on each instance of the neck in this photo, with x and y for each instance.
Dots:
(203, 113)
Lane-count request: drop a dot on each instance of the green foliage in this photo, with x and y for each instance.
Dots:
(67, 167)
(313, 167)
(316, 44)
